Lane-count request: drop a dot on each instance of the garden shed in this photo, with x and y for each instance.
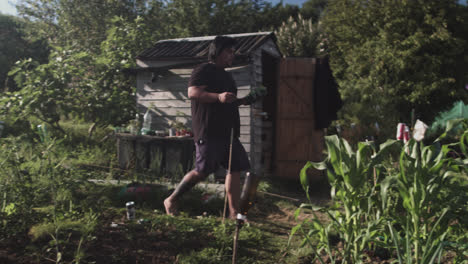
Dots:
(278, 132)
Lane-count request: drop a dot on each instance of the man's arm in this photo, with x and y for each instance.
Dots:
(198, 93)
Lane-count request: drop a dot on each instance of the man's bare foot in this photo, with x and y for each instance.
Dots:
(170, 207)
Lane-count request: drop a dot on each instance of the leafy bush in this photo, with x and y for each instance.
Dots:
(17, 189)
(33, 176)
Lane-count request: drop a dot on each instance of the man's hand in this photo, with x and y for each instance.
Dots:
(198, 93)
(226, 97)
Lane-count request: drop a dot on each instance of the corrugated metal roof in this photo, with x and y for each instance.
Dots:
(197, 47)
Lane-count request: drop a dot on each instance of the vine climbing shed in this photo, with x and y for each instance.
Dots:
(278, 132)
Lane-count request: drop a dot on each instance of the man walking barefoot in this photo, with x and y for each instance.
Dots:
(215, 112)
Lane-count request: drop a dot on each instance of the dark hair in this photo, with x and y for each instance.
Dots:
(218, 45)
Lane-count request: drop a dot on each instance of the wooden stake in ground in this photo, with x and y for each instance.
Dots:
(228, 172)
(240, 221)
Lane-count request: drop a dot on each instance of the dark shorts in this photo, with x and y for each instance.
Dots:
(212, 153)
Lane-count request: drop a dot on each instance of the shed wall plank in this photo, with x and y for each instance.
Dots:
(161, 122)
(164, 96)
(182, 109)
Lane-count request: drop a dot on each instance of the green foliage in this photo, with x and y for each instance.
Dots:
(44, 14)
(63, 226)
(300, 38)
(63, 21)
(216, 17)
(356, 213)
(17, 188)
(431, 184)
(79, 24)
(392, 57)
(33, 176)
(421, 202)
(214, 238)
(75, 84)
(274, 16)
(96, 17)
(43, 94)
(112, 91)
(44, 230)
(17, 44)
(313, 9)
(84, 77)
(458, 110)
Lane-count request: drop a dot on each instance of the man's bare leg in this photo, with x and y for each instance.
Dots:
(186, 184)
(232, 185)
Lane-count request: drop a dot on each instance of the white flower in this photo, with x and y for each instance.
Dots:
(59, 59)
(419, 130)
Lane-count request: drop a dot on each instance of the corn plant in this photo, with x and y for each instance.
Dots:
(422, 220)
(356, 211)
(420, 200)
(428, 184)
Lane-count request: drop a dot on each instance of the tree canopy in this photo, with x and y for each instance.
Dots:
(390, 57)
(16, 44)
(313, 9)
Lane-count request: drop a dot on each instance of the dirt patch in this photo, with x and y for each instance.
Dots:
(114, 245)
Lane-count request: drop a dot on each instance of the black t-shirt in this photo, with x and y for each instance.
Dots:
(214, 120)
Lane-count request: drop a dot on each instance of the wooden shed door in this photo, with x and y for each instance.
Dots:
(296, 139)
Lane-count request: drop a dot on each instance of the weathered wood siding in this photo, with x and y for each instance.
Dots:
(172, 157)
(257, 123)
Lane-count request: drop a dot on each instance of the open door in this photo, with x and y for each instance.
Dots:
(270, 70)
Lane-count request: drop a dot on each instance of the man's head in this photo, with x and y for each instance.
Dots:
(221, 51)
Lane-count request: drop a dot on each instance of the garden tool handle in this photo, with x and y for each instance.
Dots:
(230, 150)
(229, 172)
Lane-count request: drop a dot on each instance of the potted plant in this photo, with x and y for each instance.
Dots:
(178, 127)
